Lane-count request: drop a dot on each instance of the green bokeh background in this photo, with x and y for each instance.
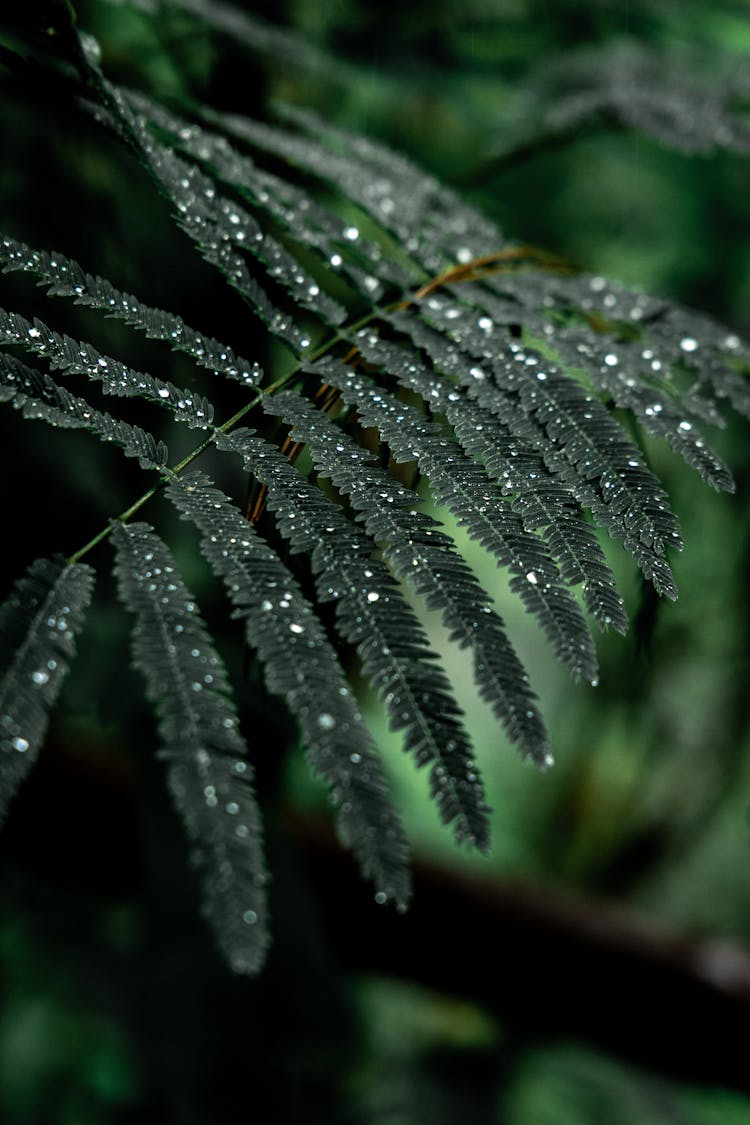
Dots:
(112, 992)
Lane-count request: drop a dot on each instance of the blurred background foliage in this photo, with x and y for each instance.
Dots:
(116, 1008)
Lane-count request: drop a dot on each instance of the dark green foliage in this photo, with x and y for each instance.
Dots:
(65, 278)
(209, 775)
(301, 666)
(37, 395)
(372, 614)
(420, 347)
(460, 484)
(425, 557)
(81, 358)
(688, 104)
(541, 501)
(38, 627)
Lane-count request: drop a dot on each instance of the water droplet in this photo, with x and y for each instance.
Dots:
(20, 744)
(40, 678)
(373, 596)
(611, 360)
(233, 808)
(381, 898)
(685, 426)
(326, 721)
(532, 578)
(163, 392)
(688, 344)
(249, 917)
(295, 628)
(351, 233)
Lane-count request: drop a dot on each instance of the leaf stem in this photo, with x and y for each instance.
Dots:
(468, 271)
(261, 392)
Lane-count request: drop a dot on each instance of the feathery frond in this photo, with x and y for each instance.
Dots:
(461, 485)
(39, 622)
(301, 666)
(209, 775)
(81, 358)
(576, 435)
(65, 278)
(223, 230)
(37, 395)
(424, 556)
(540, 499)
(360, 260)
(372, 615)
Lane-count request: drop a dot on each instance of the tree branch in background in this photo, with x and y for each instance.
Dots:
(549, 963)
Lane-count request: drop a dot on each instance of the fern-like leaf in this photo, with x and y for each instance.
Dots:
(576, 435)
(428, 218)
(461, 485)
(38, 626)
(65, 278)
(209, 775)
(304, 219)
(657, 405)
(302, 668)
(81, 358)
(222, 229)
(424, 556)
(496, 382)
(372, 615)
(538, 495)
(37, 395)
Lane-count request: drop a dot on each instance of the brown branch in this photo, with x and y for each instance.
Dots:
(496, 262)
(548, 963)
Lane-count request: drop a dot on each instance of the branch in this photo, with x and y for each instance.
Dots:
(550, 963)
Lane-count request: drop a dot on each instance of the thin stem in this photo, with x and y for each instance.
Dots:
(468, 271)
(261, 392)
